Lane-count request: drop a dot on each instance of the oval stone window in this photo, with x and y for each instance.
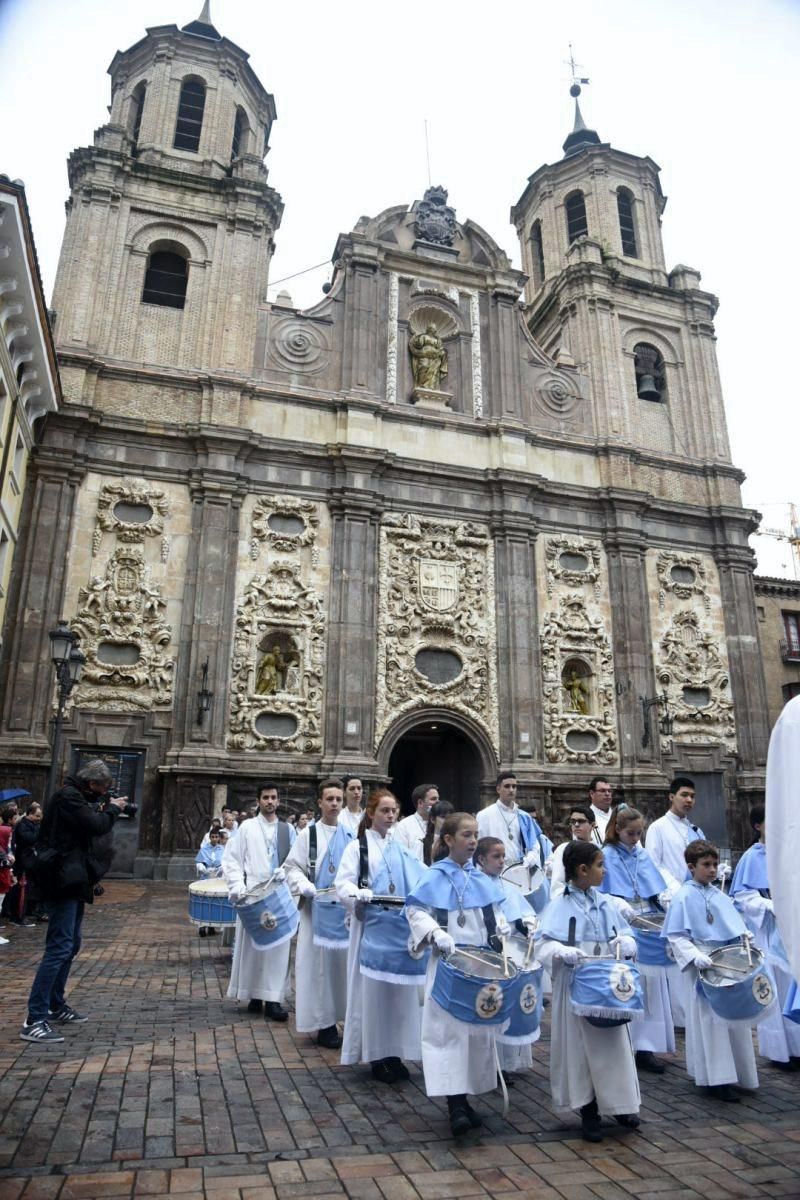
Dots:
(118, 654)
(286, 523)
(570, 560)
(133, 514)
(582, 741)
(696, 697)
(680, 574)
(281, 725)
(439, 666)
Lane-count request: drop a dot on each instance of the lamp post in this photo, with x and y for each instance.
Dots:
(204, 696)
(68, 662)
(666, 721)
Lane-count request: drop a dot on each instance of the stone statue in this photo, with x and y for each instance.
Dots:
(577, 693)
(268, 680)
(428, 359)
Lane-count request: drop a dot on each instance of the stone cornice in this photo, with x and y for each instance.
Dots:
(786, 589)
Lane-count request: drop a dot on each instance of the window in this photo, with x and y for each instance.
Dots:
(576, 216)
(137, 108)
(165, 280)
(240, 128)
(627, 230)
(537, 254)
(791, 623)
(190, 115)
(4, 545)
(790, 690)
(651, 378)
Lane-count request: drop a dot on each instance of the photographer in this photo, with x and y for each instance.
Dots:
(66, 870)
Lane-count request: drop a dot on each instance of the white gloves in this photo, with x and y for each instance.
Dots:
(701, 961)
(444, 943)
(503, 927)
(237, 892)
(623, 908)
(664, 898)
(627, 945)
(364, 894)
(278, 875)
(531, 860)
(531, 924)
(769, 906)
(724, 871)
(569, 955)
(306, 888)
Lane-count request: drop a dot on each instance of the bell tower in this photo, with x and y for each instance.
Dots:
(170, 219)
(599, 294)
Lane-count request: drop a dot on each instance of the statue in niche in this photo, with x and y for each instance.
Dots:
(276, 671)
(428, 359)
(576, 690)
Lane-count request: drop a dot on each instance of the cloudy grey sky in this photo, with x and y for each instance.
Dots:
(705, 87)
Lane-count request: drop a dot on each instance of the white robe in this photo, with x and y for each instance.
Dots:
(501, 822)
(457, 1058)
(717, 1051)
(410, 833)
(783, 825)
(586, 1062)
(320, 974)
(384, 1020)
(666, 840)
(351, 821)
(255, 974)
(555, 868)
(601, 820)
(778, 1039)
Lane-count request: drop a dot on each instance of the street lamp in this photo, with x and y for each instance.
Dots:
(666, 721)
(204, 696)
(68, 662)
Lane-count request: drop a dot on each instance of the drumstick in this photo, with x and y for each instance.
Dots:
(746, 944)
(474, 957)
(571, 932)
(505, 957)
(725, 967)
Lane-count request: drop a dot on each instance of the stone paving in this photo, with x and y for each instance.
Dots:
(170, 1091)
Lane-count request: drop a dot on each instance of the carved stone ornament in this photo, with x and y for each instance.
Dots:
(295, 344)
(689, 661)
(682, 576)
(277, 521)
(123, 635)
(436, 606)
(434, 220)
(560, 552)
(278, 657)
(557, 394)
(131, 493)
(574, 640)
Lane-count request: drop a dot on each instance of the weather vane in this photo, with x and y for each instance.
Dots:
(577, 80)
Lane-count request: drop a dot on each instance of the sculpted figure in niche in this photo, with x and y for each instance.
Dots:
(273, 671)
(576, 690)
(428, 359)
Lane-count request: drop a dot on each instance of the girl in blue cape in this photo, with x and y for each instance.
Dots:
(635, 883)
(445, 908)
(778, 1039)
(701, 918)
(591, 1069)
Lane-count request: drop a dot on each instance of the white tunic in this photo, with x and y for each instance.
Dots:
(410, 833)
(783, 823)
(383, 1019)
(320, 974)
(666, 840)
(601, 820)
(351, 821)
(555, 867)
(501, 822)
(249, 859)
(778, 1039)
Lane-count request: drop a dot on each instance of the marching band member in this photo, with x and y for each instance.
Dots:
(778, 1039)
(700, 918)
(208, 859)
(455, 903)
(383, 1019)
(668, 837)
(252, 857)
(591, 1069)
(519, 833)
(352, 812)
(410, 832)
(320, 970)
(632, 876)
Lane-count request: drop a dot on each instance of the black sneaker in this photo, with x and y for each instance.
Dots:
(274, 1011)
(628, 1120)
(39, 1031)
(329, 1037)
(475, 1118)
(67, 1016)
(647, 1061)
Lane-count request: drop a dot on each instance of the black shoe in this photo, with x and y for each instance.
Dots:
(509, 1079)
(210, 931)
(475, 1119)
(628, 1120)
(329, 1037)
(383, 1072)
(399, 1067)
(791, 1065)
(459, 1122)
(647, 1061)
(202, 931)
(274, 1011)
(22, 924)
(724, 1092)
(255, 1006)
(590, 1122)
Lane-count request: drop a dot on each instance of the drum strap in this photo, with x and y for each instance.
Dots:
(363, 862)
(312, 854)
(284, 841)
(489, 920)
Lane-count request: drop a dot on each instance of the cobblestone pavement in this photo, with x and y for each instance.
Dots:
(170, 1091)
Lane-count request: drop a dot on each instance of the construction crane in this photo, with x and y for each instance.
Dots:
(792, 537)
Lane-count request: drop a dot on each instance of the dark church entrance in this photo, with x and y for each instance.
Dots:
(435, 752)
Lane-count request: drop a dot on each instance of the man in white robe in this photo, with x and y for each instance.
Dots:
(352, 812)
(667, 838)
(251, 858)
(519, 833)
(783, 821)
(600, 799)
(410, 832)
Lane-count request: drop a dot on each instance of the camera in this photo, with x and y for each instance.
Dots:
(129, 811)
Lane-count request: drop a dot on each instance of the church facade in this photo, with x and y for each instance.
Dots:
(452, 519)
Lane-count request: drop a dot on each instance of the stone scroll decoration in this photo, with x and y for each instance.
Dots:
(682, 576)
(283, 523)
(580, 724)
(573, 562)
(693, 673)
(133, 510)
(436, 621)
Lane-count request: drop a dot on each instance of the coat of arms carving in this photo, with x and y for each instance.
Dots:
(438, 584)
(435, 220)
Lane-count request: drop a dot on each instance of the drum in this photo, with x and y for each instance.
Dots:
(384, 951)
(652, 950)
(476, 986)
(526, 1014)
(607, 991)
(271, 918)
(209, 904)
(532, 882)
(328, 917)
(739, 986)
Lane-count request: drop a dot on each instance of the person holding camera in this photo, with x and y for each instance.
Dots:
(66, 869)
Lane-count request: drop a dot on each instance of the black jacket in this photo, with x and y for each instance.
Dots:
(70, 824)
(23, 841)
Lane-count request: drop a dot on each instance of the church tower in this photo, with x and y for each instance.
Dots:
(599, 294)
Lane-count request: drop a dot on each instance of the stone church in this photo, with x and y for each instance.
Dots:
(453, 518)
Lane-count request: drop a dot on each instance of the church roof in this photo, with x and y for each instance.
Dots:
(581, 135)
(202, 26)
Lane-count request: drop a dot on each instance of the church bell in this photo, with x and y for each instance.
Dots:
(647, 389)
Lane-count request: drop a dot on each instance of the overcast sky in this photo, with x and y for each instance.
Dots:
(705, 87)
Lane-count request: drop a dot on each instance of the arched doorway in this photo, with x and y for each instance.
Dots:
(437, 751)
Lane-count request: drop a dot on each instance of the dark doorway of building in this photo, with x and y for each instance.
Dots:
(437, 753)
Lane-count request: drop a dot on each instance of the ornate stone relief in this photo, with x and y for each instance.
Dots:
(682, 576)
(296, 344)
(391, 338)
(693, 673)
(123, 635)
(562, 562)
(130, 494)
(435, 220)
(557, 393)
(436, 621)
(578, 684)
(284, 523)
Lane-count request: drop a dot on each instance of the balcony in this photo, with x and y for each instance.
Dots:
(790, 653)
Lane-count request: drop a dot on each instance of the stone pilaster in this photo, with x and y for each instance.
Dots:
(519, 673)
(362, 357)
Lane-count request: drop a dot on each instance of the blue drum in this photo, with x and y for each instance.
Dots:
(209, 903)
(328, 921)
(476, 986)
(739, 986)
(384, 951)
(791, 1009)
(526, 1014)
(607, 991)
(652, 950)
(271, 919)
(533, 883)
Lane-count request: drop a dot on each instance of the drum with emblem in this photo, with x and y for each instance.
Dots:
(531, 881)
(739, 985)
(526, 1013)
(269, 914)
(476, 986)
(384, 952)
(652, 950)
(606, 991)
(209, 903)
